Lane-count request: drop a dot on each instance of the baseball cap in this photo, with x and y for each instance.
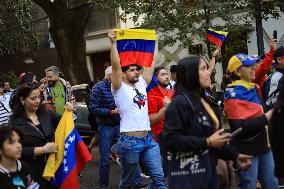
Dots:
(256, 56)
(240, 60)
(278, 53)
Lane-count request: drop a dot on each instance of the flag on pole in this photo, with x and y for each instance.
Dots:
(62, 168)
(136, 46)
(216, 37)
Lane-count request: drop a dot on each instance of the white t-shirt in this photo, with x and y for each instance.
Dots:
(133, 106)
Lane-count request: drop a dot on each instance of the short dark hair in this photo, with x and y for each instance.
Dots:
(278, 53)
(173, 69)
(28, 77)
(125, 68)
(187, 72)
(158, 69)
(6, 132)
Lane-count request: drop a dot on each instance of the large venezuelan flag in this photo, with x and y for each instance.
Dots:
(136, 46)
(62, 168)
(216, 37)
(241, 101)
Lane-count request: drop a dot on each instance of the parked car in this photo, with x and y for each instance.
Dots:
(82, 124)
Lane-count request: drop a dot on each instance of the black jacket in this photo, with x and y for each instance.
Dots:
(33, 138)
(187, 128)
(23, 172)
(277, 139)
(252, 139)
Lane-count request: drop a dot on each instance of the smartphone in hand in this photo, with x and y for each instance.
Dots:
(236, 132)
(275, 34)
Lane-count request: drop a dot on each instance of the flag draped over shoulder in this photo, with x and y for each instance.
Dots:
(241, 101)
(155, 89)
(62, 168)
(136, 46)
(216, 37)
(154, 84)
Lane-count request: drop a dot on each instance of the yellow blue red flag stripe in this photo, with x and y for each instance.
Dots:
(136, 46)
(216, 37)
(241, 101)
(62, 168)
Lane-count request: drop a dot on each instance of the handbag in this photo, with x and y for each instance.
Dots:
(192, 170)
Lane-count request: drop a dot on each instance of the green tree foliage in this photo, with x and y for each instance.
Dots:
(268, 8)
(16, 32)
(11, 77)
(180, 21)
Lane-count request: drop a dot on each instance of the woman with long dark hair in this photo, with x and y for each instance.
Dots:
(193, 133)
(38, 126)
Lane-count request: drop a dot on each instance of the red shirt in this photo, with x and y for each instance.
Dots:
(155, 103)
(263, 68)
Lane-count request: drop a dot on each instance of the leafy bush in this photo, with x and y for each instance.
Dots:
(11, 77)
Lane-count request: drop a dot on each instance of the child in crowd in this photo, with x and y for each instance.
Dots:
(13, 173)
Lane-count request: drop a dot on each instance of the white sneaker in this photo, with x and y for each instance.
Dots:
(144, 175)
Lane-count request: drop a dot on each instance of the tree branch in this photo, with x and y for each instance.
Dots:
(82, 16)
(47, 6)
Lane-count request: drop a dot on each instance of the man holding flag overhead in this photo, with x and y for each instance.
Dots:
(134, 49)
(62, 168)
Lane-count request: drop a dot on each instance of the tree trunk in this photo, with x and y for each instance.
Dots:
(67, 30)
(259, 28)
(71, 50)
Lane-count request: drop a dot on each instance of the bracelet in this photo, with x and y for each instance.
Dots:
(43, 150)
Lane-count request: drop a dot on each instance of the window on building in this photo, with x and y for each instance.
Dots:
(101, 20)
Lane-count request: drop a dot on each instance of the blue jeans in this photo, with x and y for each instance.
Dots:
(130, 150)
(262, 167)
(108, 135)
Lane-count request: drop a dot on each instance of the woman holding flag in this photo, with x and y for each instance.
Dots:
(242, 105)
(38, 125)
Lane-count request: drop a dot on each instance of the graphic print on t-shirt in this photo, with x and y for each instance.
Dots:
(139, 99)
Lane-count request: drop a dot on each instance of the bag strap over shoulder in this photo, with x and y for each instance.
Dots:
(188, 101)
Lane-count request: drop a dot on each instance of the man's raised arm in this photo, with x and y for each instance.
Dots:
(148, 71)
(115, 62)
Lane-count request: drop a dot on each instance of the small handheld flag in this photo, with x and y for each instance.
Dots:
(62, 168)
(216, 37)
(136, 46)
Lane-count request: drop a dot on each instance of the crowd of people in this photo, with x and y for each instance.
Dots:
(168, 126)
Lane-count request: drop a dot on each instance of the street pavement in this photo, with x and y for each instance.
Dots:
(90, 175)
